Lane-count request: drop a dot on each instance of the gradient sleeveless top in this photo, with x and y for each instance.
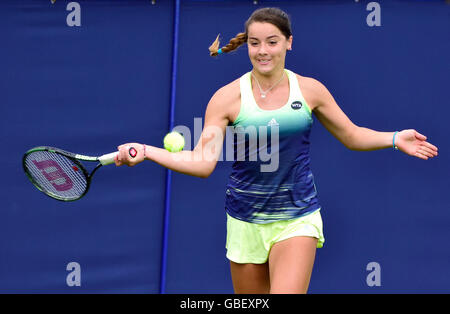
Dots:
(271, 178)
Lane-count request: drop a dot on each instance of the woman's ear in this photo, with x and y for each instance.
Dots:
(289, 43)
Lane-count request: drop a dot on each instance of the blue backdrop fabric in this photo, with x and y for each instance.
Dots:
(91, 87)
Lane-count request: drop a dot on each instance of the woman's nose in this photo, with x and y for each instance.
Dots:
(262, 49)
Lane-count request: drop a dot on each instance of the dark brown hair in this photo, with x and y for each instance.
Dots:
(274, 16)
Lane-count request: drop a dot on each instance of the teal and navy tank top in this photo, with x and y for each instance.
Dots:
(271, 178)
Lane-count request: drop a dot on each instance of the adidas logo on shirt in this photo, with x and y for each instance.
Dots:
(273, 122)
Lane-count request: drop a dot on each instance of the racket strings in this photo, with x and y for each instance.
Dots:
(56, 175)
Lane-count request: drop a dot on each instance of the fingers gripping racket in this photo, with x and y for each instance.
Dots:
(60, 174)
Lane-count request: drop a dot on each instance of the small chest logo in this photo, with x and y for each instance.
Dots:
(273, 122)
(296, 105)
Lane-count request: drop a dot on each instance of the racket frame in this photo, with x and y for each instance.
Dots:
(73, 157)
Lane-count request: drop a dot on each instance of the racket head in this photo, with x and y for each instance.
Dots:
(56, 173)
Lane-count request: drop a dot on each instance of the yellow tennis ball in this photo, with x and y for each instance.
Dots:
(174, 142)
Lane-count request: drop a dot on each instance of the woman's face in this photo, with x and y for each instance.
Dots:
(267, 47)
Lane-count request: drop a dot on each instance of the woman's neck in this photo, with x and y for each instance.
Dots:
(266, 80)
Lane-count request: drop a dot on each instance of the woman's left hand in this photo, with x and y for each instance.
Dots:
(413, 143)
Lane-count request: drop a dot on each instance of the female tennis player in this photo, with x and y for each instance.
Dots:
(273, 217)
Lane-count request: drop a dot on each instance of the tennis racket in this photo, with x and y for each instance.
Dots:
(60, 174)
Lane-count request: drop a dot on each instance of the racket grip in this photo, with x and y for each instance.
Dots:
(107, 159)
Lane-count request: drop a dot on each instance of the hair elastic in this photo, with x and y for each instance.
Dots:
(219, 51)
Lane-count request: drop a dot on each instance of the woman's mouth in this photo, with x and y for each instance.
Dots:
(263, 61)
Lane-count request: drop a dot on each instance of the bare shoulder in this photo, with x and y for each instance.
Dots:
(226, 100)
(313, 91)
(228, 92)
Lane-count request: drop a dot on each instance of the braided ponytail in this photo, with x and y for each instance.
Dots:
(234, 43)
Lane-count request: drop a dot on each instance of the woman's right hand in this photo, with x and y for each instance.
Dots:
(125, 154)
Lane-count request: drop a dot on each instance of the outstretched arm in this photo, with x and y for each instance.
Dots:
(359, 138)
(199, 162)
